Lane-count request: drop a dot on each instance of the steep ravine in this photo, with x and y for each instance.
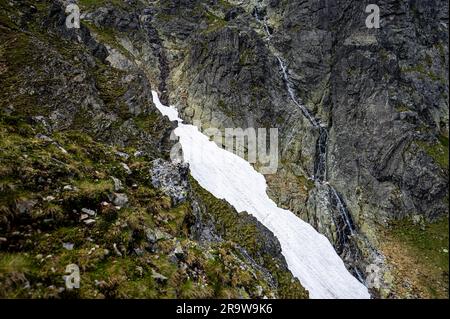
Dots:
(309, 255)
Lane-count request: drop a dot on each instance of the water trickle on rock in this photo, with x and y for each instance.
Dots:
(342, 219)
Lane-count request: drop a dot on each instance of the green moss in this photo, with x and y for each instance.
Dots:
(438, 151)
(92, 4)
(87, 166)
(247, 57)
(441, 50)
(308, 183)
(147, 121)
(429, 245)
(384, 55)
(10, 262)
(423, 71)
(14, 55)
(110, 88)
(401, 108)
(110, 37)
(214, 22)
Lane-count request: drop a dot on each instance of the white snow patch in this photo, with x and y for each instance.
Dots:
(309, 255)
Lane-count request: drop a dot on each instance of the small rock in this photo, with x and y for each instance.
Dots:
(68, 246)
(44, 137)
(25, 206)
(445, 250)
(62, 149)
(49, 198)
(84, 216)
(117, 184)
(158, 276)
(155, 235)
(259, 291)
(68, 188)
(416, 219)
(100, 283)
(89, 212)
(123, 155)
(116, 250)
(120, 199)
(172, 179)
(172, 258)
(89, 221)
(151, 237)
(126, 168)
(3, 240)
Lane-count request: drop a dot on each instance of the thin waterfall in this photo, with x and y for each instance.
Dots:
(291, 92)
(342, 210)
(343, 220)
(320, 167)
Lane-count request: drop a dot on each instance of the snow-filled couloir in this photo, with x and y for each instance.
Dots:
(309, 255)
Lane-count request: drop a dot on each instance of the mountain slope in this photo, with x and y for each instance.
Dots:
(85, 179)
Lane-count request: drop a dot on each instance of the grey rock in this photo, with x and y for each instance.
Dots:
(155, 235)
(117, 184)
(123, 155)
(158, 277)
(25, 206)
(89, 221)
(120, 200)
(44, 137)
(171, 178)
(69, 188)
(89, 212)
(68, 246)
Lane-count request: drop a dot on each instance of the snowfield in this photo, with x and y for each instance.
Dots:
(309, 255)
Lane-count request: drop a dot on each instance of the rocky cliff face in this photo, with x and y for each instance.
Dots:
(381, 95)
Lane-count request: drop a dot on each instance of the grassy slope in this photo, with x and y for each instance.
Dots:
(418, 255)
